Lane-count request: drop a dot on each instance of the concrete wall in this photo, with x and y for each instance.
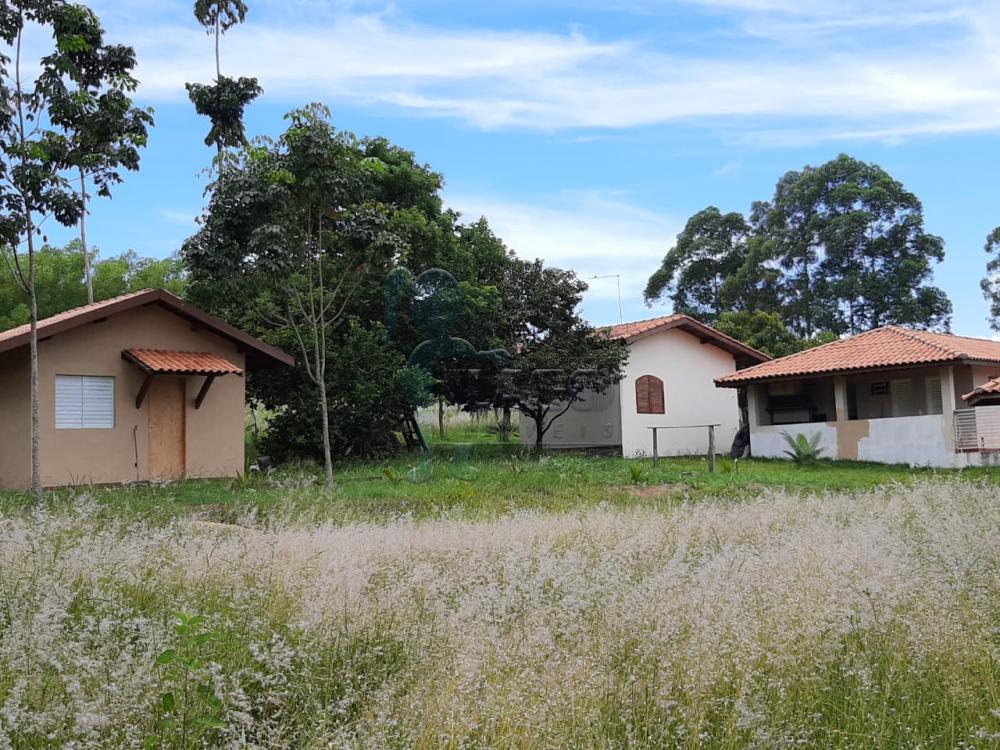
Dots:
(767, 441)
(918, 441)
(15, 419)
(593, 422)
(688, 370)
(214, 433)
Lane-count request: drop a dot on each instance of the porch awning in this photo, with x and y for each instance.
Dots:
(155, 362)
(165, 362)
(988, 390)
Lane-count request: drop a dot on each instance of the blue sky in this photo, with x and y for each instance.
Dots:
(587, 131)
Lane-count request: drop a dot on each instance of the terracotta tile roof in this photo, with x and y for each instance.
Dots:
(640, 329)
(988, 388)
(630, 331)
(258, 353)
(882, 348)
(165, 362)
(14, 333)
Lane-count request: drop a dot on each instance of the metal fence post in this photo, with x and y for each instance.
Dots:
(711, 448)
(656, 456)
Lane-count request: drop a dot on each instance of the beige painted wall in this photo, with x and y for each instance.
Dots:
(15, 420)
(688, 370)
(214, 432)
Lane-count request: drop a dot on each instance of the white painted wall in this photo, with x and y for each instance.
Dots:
(767, 441)
(592, 422)
(688, 370)
(917, 441)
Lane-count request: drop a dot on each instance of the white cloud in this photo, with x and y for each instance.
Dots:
(592, 233)
(551, 81)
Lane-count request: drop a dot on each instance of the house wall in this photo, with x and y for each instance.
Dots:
(917, 440)
(688, 370)
(214, 433)
(592, 422)
(768, 441)
(15, 420)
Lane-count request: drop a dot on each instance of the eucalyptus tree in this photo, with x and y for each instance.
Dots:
(90, 82)
(225, 100)
(990, 283)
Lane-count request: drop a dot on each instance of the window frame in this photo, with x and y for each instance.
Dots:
(84, 423)
(653, 387)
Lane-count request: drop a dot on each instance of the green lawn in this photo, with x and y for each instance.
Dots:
(478, 481)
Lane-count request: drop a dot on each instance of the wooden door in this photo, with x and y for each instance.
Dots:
(166, 428)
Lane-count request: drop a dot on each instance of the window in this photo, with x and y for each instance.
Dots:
(902, 398)
(935, 403)
(649, 395)
(85, 403)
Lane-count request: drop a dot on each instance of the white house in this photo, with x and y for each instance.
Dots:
(890, 395)
(669, 382)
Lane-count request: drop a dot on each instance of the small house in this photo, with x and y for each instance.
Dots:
(668, 382)
(140, 387)
(890, 395)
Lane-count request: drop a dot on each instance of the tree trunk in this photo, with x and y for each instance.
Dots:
(327, 454)
(441, 417)
(36, 462)
(539, 433)
(87, 273)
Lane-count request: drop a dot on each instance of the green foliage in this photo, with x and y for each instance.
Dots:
(839, 248)
(368, 398)
(990, 283)
(503, 429)
(59, 281)
(765, 331)
(636, 473)
(190, 713)
(224, 103)
(549, 372)
(803, 450)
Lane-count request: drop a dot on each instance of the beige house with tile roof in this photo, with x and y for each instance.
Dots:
(140, 387)
(891, 395)
(669, 383)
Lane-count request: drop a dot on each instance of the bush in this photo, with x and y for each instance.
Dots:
(803, 450)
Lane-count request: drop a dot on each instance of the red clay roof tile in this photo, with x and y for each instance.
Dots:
(630, 332)
(166, 362)
(881, 348)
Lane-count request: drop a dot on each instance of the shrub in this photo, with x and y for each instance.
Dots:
(803, 450)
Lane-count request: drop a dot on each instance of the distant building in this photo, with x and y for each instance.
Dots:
(891, 395)
(669, 382)
(138, 387)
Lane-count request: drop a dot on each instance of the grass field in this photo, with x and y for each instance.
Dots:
(473, 602)
(473, 482)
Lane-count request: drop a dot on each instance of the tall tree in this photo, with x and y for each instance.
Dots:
(839, 248)
(225, 100)
(33, 157)
(90, 82)
(708, 252)
(877, 254)
(990, 283)
(290, 238)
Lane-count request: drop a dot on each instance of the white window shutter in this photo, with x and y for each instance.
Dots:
(84, 402)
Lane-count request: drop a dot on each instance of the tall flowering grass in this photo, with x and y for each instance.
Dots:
(868, 620)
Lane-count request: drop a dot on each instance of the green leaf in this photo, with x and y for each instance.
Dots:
(166, 657)
(168, 702)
